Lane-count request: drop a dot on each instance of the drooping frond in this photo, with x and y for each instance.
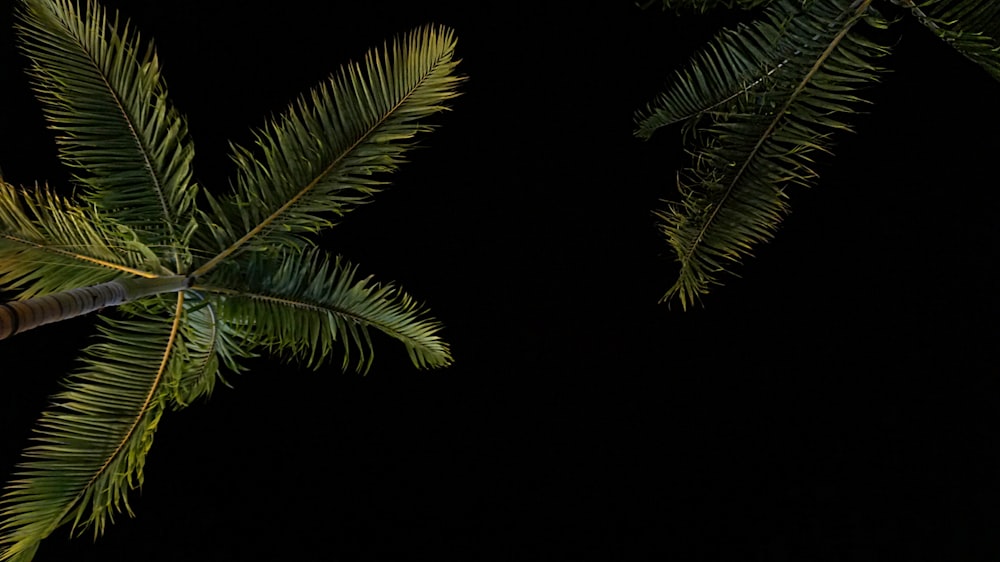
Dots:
(209, 343)
(972, 27)
(318, 158)
(310, 307)
(761, 138)
(90, 446)
(48, 245)
(737, 63)
(102, 93)
(702, 6)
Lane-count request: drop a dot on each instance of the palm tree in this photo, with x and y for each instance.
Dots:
(197, 282)
(762, 99)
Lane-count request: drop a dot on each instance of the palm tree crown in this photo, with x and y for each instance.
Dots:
(763, 98)
(200, 281)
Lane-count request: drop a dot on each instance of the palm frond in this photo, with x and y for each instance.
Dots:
(103, 95)
(702, 6)
(735, 65)
(90, 446)
(307, 304)
(761, 138)
(20, 316)
(209, 343)
(971, 27)
(319, 156)
(48, 245)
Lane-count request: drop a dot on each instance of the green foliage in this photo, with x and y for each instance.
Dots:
(359, 123)
(972, 27)
(312, 301)
(702, 6)
(139, 220)
(49, 244)
(108, 104)
(756, 105)
(89, 448)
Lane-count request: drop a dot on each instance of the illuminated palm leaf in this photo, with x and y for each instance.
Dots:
(309, 303)
(319, 156)
(90, 446)
(703, 6)
(971, 27)
(130, 243)
(209, 343)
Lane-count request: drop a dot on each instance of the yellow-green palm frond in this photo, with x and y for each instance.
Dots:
(90, 446)
(972, 27)
(311, 306)
(760, 129)
(103, 95)
(48, 244)
(318, 157)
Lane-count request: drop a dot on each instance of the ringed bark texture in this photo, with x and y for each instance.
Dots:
(21, 316)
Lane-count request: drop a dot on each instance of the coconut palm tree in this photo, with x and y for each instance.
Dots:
(185, 283)
(763, 98)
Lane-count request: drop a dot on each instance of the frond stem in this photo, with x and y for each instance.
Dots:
(860, 7)
(157, 187)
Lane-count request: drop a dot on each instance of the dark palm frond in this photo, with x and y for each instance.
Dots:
(309, 303)
(209, 343)
(971, 27)
(90, 446)
(762, 138)
(48, 245)
(102, 93)
(702, 6)
(318, 158)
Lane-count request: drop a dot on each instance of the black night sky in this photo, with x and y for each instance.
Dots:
(836, 402)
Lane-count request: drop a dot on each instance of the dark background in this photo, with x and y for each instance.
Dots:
(836, 402)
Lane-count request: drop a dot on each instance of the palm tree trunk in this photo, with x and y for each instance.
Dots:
(21, 316)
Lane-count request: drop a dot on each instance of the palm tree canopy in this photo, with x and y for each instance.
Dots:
(251, 280)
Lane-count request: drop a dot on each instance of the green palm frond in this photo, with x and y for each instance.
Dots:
(702, 6)
(102, 93)
(209, 343)
(733, 68)
(89, 448)
(319, 156)
(761, 136)
(309, 303)
(48, 245)
(972, 27)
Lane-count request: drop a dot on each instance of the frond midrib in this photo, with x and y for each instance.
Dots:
(156, 181)
(211, 264)
(153, 388)
(770, 128)
(201, 367)
(301, 305)
(78, 257)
